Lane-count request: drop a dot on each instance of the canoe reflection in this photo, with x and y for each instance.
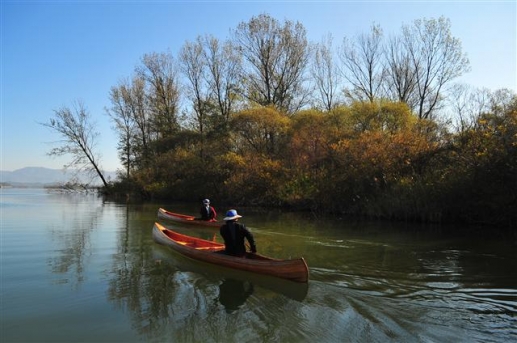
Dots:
(294, 290)
(233, 293)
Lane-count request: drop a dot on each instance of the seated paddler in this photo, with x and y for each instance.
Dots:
(234, 234)
(207, 212)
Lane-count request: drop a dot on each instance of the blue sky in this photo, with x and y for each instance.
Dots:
(56, 52)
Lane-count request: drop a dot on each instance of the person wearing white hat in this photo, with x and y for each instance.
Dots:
(207, 212)
(234, 234)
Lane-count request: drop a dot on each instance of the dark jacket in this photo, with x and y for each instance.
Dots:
(209, 214)
(233, 234)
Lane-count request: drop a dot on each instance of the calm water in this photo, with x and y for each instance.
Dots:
(77, 269)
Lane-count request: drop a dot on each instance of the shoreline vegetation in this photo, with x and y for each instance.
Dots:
(415, 171)
(375, 128)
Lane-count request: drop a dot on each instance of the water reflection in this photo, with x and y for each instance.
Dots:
(293, 290)
(367, 283)
(233, 293)
(71, 233)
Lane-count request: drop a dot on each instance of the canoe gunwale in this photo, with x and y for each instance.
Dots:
(186, 219)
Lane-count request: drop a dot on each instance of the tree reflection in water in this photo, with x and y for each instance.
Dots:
(233, 293)
(72, 234)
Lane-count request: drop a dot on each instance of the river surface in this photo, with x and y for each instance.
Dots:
(75, 268)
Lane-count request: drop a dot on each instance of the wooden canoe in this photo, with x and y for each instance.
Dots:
(294, 290)
(212, 252)
(186, 219)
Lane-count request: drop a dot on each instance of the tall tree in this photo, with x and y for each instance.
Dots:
(79, 138)
(436, 58)
(211, 69)
(123, 115)
(193, 65)
(276, 57)
(135, 102)
(325, 73)
(400, 76)
(362, 64)
(224, 65)
(161, 76)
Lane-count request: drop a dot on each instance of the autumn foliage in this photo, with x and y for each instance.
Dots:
(366, 159)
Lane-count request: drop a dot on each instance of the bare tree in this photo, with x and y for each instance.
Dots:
(362, 64)
(79, 138)
(212, 71)
(160, 74)
(224, 65)
(325, 74)
(135, 102)
(436, 58)
(275, 58)
(122, 113)
(192, 63)
(467, 104)
(400, 76)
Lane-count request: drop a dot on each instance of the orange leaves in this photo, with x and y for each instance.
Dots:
(494, 138)
(258, 181)
(384, 116)
(309, 139)
(259, 130)
(376, 151)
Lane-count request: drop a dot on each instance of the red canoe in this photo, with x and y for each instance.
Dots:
(211, 252)
(186, 219)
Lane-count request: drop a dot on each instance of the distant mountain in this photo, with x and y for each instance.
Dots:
(45, 176)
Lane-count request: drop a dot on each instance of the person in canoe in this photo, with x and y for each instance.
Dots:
(207, 212)
(234, 234)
